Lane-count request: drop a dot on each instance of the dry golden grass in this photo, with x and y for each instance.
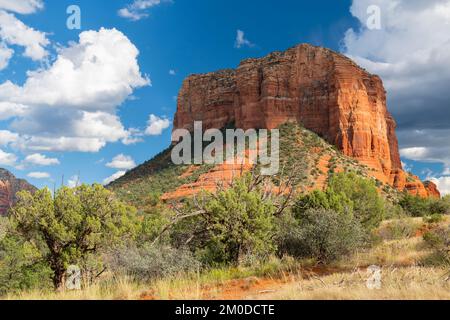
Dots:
(404, 252)
(407, 283)
(413, 283)
(114, 289)
(409, 251)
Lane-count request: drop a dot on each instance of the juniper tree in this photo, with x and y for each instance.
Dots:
(72, 224)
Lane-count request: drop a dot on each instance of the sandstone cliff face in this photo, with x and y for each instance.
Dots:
(324, 91)
(9, 186)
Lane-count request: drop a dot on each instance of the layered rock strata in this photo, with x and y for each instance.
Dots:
(324, 91)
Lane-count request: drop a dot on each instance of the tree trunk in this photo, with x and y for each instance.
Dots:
(58, 278)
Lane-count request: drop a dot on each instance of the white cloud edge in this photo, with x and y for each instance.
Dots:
(114, 177)
(39, 175)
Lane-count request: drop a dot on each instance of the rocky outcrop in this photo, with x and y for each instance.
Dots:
(9, 186)
(324, 91)
(432, 189)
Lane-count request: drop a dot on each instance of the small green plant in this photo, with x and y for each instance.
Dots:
(434, 218)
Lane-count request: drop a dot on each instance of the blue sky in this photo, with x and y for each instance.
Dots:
(174, 39)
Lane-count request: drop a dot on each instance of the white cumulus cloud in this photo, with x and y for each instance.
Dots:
(7, 137)
(72, 104)
(122, 161)
(7, 159)
(39, 175)
(156, 125)
(21, 6)
(133, 136)
(10, 110)
(15, 32)
(41, 160)
(5, 55)
(88, 75)
(415, 153)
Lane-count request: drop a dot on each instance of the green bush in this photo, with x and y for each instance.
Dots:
(232, 225)
(421, 207)
(288, 236)
(415, 206)
(438, 206)
(324, 235)
(21, 266)
(240, 222)
(347, 193)
(329, 200)
(446, 200)
(369, 206)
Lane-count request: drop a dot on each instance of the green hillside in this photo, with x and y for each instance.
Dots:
(301, 151)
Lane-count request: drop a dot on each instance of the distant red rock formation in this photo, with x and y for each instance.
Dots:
(9, 186)
(432, 189)
(324, 91)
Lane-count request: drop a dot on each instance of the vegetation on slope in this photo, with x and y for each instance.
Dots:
(246, 229)
(301, 151)
(147, 182)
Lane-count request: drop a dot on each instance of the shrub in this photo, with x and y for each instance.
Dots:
(240, 222)
(421, 207)
(434, 218)
(402, 228)
(414, 205)
(439, 241)
(393, 210)
(446, 200)
(369, 207)
(289, 237)
(151, 262)
(349, 194)
(229, 225)
(153, 222)
(21, 266)
(322, 234)
(438, 206)
(329, 200)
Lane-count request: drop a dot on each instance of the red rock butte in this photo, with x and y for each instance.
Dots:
(323, 90)
(9, 186)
